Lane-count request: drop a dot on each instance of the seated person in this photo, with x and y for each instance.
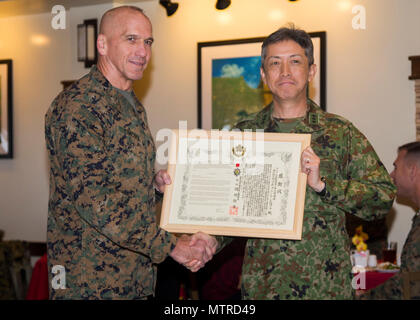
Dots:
(406, 176)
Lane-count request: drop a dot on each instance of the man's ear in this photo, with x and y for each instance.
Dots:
(101, 44)
(262, 73)
(414, 172)
(312, 72)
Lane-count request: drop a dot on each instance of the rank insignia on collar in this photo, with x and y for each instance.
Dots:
(313, 118)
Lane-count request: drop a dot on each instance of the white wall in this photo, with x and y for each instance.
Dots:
(37, 72)
(367, 80)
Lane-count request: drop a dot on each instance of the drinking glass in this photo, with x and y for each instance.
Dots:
(389, 253)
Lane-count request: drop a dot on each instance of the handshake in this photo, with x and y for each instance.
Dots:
(194, 251)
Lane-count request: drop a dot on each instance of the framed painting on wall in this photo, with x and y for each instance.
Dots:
(6, 105)
(230, 86)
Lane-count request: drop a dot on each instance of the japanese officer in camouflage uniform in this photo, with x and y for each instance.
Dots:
(406, 176)
(344, 175)
(102, 226)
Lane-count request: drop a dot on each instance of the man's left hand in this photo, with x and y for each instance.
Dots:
(309, 163)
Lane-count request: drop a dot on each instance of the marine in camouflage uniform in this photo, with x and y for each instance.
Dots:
(101, 225)
(102, 222)
(393, 288)
(406, 175)
(355, 181)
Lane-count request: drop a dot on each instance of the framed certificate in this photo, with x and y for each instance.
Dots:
(235, 183)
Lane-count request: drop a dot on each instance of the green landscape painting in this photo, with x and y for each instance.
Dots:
(237, 90)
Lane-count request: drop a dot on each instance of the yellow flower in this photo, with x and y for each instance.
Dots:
(359, 239)
(359, 231)
(361, 246)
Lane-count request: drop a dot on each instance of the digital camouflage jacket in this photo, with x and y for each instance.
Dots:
(393, 288)
(101, 218)
(318, 266)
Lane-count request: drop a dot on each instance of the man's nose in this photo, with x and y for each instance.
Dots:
(285, 69)
(141, 49)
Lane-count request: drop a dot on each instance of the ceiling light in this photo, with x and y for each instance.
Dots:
(222, 4)
(169, 6)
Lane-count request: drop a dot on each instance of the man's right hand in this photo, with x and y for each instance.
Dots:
(194, 254)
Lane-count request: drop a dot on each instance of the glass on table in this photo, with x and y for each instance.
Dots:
(389, 253)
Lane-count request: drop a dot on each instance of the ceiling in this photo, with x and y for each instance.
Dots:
(10, 8)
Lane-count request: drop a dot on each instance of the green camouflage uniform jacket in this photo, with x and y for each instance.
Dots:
(101, 223)
(318, 266)
(410, 262)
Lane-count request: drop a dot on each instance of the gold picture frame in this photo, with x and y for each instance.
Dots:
(224, 194)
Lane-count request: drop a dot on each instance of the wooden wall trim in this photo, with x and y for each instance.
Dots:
(415, 67)
(417, 90)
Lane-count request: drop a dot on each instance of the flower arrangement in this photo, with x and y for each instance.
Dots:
(359, 239)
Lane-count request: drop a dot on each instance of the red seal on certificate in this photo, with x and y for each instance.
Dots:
(233, 210)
